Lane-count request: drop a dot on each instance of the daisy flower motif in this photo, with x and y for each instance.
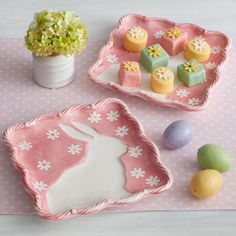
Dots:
(53, 134)
(163, 74)
(215, 50)
(113, 116)
(152, 180)
(40, 185)
(94, 117)
(44, 165)
(174, 33)
(182, 93)
(136, 32)
(154, 51)
(25, 146)
(74, 149)
(191, 66)
(199, 44)
(130, 66)
(135, 151)
(112, 58)
(158, 34)
(137, 173)
(122, 131)
(210, 65)
(194, 101)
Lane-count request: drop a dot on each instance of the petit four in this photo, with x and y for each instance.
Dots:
(153, 56)
(174, 41)
(129, 74)
(191, 73)
(135, 39)
(198, 49)
(162, 80)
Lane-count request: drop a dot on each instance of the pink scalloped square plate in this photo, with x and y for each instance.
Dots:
(105, 70)
(85, 159)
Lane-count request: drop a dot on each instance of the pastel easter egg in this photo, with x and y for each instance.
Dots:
(211, 156)
(206, 183)
(177, 134)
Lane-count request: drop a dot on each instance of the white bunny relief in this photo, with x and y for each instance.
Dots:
(101, 176)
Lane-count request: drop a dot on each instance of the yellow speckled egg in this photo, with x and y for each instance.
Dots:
(206, 183)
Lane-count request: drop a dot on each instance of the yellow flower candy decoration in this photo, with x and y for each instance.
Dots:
(174, 33)
(191, 66)
(154, 51)
(130, 66)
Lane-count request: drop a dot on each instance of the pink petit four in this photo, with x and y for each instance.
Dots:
(129, 74)
(174, 41)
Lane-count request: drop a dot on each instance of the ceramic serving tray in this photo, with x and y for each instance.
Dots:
(85, 159)
(105, 70)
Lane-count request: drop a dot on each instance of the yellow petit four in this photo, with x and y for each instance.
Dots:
(135, 39)
(162, 80)
(197, 49)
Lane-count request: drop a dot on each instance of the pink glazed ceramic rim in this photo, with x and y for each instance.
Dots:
(95, 69)
(100, 205)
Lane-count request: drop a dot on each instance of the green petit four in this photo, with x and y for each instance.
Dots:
(153, 56)
(191, 73)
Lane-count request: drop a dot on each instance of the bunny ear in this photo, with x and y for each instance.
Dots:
(85, 128)
(72, 132)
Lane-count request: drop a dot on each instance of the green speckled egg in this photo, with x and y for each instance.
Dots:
(211, 156)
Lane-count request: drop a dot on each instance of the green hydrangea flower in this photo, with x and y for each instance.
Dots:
(53, 33)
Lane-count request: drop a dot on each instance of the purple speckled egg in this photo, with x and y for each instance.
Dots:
(177, 134)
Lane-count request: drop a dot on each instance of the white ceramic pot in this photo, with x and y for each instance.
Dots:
(54, 71)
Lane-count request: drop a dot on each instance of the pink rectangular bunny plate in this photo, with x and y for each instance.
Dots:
(105, 70)
(85, 159)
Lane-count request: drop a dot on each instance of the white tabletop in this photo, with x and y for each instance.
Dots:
(101, 17)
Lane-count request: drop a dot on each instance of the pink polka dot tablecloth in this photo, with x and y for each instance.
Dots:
(22, 100)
